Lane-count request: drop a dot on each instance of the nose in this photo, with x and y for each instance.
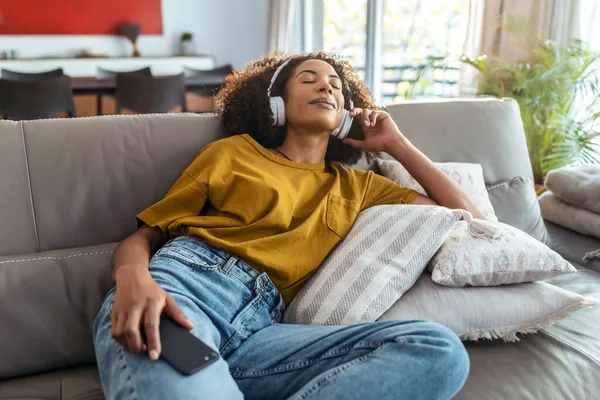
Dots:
(325, 87)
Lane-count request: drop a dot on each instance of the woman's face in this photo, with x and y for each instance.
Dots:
(313, 97)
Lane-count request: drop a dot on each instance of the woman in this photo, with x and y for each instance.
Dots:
(247, 223)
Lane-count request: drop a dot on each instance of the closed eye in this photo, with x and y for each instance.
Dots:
(333, 86)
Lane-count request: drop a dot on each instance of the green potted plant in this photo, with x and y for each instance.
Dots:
(557, 87)
(187, 44)
(558, 91)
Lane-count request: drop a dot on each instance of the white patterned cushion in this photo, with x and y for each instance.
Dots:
(469, 177)
(512, 257)
(487, 312)
(386, 250)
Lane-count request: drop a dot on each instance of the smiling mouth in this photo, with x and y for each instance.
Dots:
(326, 106)
(323, 102)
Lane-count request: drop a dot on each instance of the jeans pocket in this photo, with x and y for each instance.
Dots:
(188, 257)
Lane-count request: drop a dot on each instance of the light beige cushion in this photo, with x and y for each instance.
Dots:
(487, 312)
(386, 250)
(577, 185)
(516, 203)
(48, 303)
(512, 257)
(569, 215)
(469, 177)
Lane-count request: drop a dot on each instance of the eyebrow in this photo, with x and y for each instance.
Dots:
(314, 73)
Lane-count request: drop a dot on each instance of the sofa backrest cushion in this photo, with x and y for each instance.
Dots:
(91, 176)
(484, 131)
(17, 226)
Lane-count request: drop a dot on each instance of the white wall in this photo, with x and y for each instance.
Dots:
(234, 31)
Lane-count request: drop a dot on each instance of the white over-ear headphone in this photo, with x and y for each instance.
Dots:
(278, 108)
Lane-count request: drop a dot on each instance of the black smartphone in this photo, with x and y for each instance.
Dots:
(356, 130)
(182, 350)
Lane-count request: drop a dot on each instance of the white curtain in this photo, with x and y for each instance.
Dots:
(588, 29)
(467, 83)
(281, 23)
(554, 19)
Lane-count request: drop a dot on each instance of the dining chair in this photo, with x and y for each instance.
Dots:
(102, 73)
(222, 70)
(36, 98)
(215, 75)
(26, 76)
(155, 94)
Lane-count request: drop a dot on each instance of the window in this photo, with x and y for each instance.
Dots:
(344, 30)
(413, 31)
(392, 42)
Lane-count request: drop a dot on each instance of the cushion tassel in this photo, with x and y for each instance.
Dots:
(589, 256)
(481, 229)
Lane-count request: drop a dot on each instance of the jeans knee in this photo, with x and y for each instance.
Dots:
(449, 361)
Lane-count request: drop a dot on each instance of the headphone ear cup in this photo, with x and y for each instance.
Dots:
(345, 125)
(278, 110)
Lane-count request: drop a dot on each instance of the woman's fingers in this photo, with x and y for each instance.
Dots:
(355, 112)
(151, 327)
(364, 117)
(373, 118)
(132, 329)
(118, 328)
(367, 117)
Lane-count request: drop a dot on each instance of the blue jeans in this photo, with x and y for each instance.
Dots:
(237, 311)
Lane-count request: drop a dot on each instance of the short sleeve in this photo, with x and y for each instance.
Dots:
(186, 198)
(380, 190)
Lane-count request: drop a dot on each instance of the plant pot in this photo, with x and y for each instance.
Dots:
(187, 48)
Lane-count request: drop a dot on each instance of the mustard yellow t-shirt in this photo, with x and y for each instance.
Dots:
(281, 217)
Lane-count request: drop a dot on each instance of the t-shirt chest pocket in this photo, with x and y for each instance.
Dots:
(340, 214)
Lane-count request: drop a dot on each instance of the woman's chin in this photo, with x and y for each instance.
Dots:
(322, 126)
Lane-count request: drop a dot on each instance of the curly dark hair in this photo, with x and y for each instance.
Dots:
(243, 104)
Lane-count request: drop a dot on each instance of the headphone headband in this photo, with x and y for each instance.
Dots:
(276, 74)
(282, 66)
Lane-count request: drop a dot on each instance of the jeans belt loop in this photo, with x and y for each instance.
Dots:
(229, 264)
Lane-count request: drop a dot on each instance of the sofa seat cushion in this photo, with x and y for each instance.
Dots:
(82, 383)
(559, 362)
(48, 303)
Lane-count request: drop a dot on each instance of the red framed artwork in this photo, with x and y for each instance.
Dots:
(78, 17)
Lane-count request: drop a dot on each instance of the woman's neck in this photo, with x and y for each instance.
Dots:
(303, 147)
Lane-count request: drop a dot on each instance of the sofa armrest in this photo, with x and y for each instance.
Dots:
(573, 245)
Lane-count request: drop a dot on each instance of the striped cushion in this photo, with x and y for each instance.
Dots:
(384, 253)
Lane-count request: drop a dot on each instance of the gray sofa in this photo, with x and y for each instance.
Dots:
(70, 189)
